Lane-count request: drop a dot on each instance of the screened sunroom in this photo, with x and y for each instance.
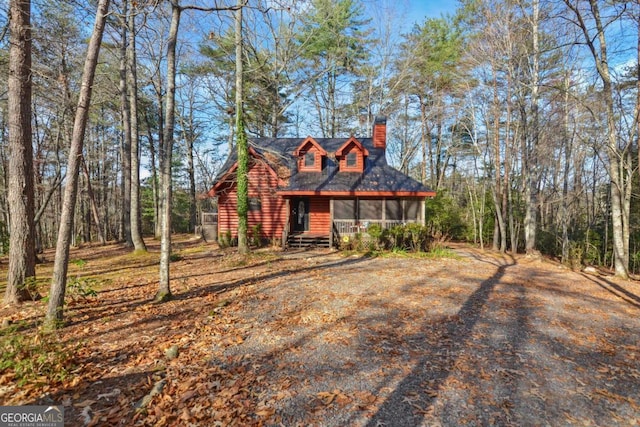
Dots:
(355, 215)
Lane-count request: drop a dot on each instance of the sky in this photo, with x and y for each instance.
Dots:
(418, 10)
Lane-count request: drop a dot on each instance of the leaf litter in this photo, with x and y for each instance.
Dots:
(317, 338)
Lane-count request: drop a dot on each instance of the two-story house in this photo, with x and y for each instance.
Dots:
(317, 190)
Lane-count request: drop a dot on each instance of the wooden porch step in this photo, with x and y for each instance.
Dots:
(303, 240)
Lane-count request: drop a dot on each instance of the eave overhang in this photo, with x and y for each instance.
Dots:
(356, 193)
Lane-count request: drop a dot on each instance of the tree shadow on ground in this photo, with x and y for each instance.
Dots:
(397, 410)
(490, 346)
(129, 387)
(615, 289)
(178, 318)
(89, 314)
(282, 257)
(230, 285)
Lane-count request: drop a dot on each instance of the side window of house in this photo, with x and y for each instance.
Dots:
(310, 159)
(352, 159)
(255, 204)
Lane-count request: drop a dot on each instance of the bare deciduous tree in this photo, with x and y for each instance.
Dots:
(132, 85)
(59, 281)
(588, 19)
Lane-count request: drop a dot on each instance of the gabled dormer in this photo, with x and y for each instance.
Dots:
(310, 155)
(351, 156)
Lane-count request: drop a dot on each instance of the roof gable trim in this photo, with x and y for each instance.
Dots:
(307, 141)
(343, 150)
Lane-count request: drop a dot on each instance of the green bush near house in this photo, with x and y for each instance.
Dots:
(444, 217)
(225, 240)
(411, 237)
(256, 235)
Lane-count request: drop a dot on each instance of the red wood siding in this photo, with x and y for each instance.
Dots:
(319, 215)
(273, 212)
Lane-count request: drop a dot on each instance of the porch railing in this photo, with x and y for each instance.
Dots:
(349, 226)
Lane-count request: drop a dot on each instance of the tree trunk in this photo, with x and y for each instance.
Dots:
(331, 87)
(157, 183)
(85, 217)
(132, 85)
(104, 182)
(530, 215)
(92, 200)
(481, 216)
(126, 140)
(473, 204)
(637, 115)
(442, 160)
(627, 170)
(423, 140)
(499, 227)
(568, 148)
(232, 134)
(241, 144)
(154, 178)
(511, 213)
(192, 179)
(531, 180)
(59, 280)
(22, 253)
(619, 181)
(166, 152)
(506, 184)
(189, 136)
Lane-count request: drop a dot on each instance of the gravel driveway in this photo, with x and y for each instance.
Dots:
(317, 338)
(479, 340)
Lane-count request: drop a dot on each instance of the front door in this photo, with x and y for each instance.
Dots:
(300, 214)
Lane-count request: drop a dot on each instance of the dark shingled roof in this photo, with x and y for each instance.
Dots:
(378, 176)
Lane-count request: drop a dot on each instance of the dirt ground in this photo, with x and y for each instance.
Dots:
(322, 338)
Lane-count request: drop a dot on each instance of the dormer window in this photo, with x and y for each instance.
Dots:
(310, 159)
(352, 159)
(310, 155)
(351, 156)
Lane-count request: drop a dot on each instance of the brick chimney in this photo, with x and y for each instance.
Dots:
(380, 132)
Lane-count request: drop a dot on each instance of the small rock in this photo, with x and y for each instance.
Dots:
(157, 389)
(171, 353)
(222, 303)
(591, 270)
